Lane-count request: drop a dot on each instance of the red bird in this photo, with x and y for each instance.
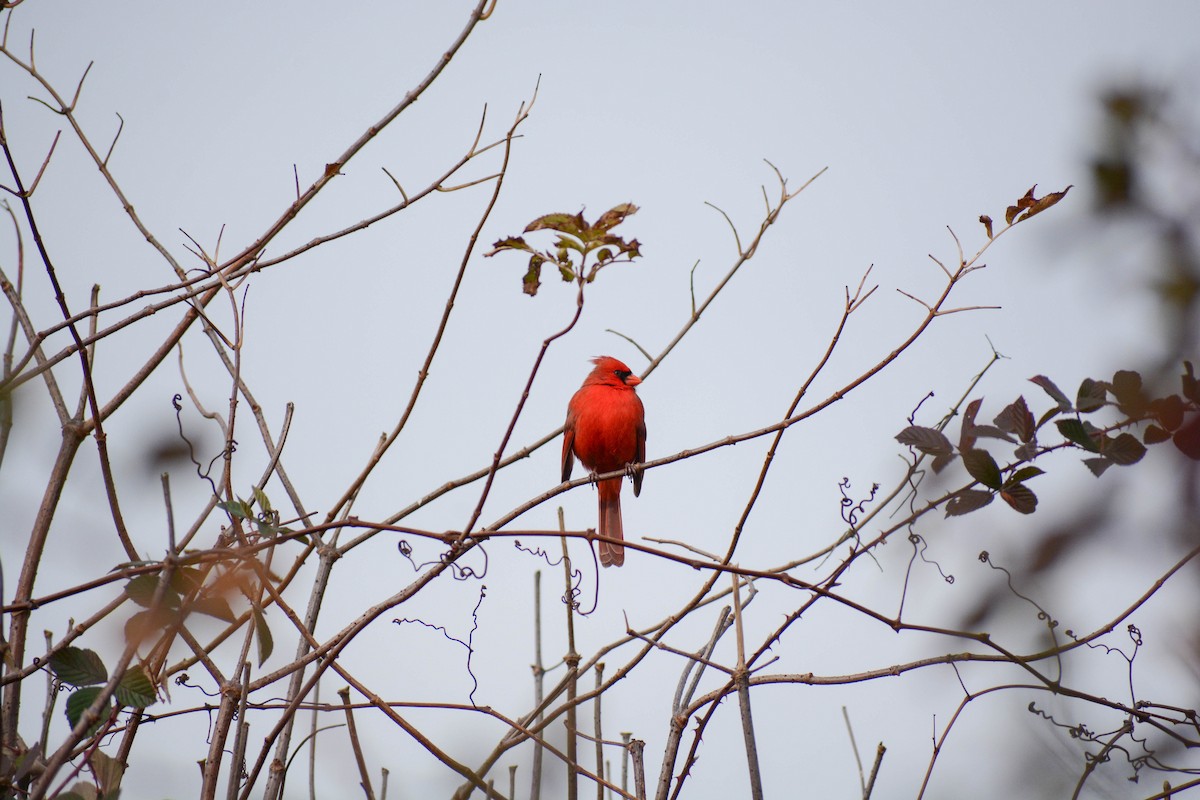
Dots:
(606, 428)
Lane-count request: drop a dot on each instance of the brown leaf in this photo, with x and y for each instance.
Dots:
(927, 440)
(1041, 205)
(1025, 202)
(987, 224)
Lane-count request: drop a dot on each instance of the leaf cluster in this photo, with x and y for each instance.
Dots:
(1170, 417)
(576, 240)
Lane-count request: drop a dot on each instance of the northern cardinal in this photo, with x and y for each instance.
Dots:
(606, 428)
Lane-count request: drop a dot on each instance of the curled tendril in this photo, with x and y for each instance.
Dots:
(458, 571)
(851, 509)
(571, 597)
(913, 416)
(185, 681)
(1043, 614)
(469, 644)
(205, 473)
(922, 547)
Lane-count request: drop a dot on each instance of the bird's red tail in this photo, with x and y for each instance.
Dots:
(611, 555)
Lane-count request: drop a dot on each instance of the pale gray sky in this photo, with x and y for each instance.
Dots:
(926, 116)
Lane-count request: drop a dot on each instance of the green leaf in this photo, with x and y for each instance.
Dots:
(108, 771)
(967, 501)
(1091, 395)
(1051, 389)
(135, 689)
(266, 642)
(238, 509)
(1020, 498)
(1124, 450)
(533, 276)
(1073, 430)
(260, 497)
(141, 590)
(982, 467)
(214, 607)
(928, 440)
(565, 223)
(78, 667)
(1016, 418)
(1098, 466)
(79, 702)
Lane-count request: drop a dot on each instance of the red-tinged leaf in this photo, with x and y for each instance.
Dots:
(1049, 387)
(1023, 474)
(928, 440)
(983, 468)
(967, 501)
(1155, 435)
(1091, 395)
(78, 667)
(1020, 498)
(966, 437)
(1097, 465)
(1018, 419)
(987, 224)
(1124, 450)
(614, 217)
(1043, 203)
(1074, 431)
(1168, 411)
(941, 461)
(1187, 438)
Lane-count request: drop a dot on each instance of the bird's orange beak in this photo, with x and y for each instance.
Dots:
(632, 380)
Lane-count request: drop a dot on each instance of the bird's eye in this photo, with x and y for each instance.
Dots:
(622, 374)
